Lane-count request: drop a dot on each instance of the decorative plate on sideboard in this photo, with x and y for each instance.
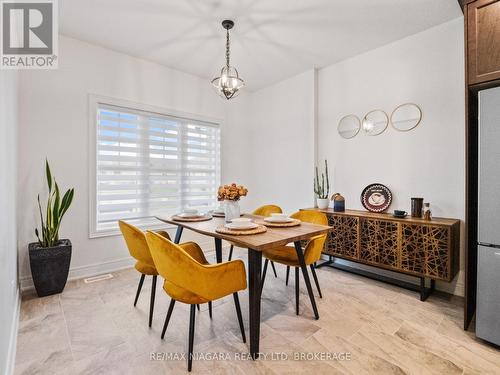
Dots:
(376, 198)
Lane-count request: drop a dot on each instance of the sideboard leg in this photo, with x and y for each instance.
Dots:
(424, 291)
(328, 262)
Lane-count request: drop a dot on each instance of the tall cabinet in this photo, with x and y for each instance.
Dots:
(482, 71)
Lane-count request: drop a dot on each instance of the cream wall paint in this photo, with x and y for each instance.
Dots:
(9, 292)
(429, 161)
(53, 123)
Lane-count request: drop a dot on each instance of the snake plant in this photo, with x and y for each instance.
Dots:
(54, 212)
(319, 189)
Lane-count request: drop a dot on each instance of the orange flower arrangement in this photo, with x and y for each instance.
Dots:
(231, 192)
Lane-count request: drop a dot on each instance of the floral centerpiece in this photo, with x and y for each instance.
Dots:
(231, 194)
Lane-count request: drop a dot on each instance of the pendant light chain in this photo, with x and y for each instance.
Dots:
(228, 52)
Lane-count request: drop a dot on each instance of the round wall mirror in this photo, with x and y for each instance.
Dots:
(375, 122)
(406, 116)
(349, 126)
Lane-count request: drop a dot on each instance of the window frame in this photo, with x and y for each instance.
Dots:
(93, 104)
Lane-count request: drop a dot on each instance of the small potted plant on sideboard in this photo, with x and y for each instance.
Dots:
(320, 190)
(50, 257)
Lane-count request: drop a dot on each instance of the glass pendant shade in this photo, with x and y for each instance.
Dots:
(228, 84)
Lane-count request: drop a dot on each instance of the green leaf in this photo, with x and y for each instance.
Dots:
(67, 202)
(57, 202)
(48, 174)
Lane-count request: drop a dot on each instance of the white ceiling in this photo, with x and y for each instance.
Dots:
(272, 39)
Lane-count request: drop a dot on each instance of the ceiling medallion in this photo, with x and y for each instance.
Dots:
(229, 83)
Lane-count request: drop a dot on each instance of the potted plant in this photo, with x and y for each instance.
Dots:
(319, 188)
(231, 195)
(50, 256)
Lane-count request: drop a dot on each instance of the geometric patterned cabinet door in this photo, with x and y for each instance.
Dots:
(424, 250)
(412, 246)
(343, 241)
(379, 242)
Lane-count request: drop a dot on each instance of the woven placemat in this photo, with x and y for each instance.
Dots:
(223, 230)
(293, 223)
(219, 214)
(192, 219)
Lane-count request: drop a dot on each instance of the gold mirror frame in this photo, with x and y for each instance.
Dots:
(403, 105)
(367, 132)
(357, 130)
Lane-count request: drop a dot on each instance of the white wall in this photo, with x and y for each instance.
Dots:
(282, 125)
(269, 138)
(54, 124)
(429, 161)
(9, 302)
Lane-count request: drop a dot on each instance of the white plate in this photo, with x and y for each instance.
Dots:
(218, 211)
(273, 219)
(241, 225)
(189, 215)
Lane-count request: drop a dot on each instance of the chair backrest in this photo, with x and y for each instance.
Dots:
(171, 261)
(136, 243)
(267, 210)
(314, 247)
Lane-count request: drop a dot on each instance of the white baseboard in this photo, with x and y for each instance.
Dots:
(86, 271)
(11, 355)
(99, 268)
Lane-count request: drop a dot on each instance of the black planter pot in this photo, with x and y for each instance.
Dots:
(50, 267)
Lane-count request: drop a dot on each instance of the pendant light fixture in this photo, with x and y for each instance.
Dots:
(229, 83)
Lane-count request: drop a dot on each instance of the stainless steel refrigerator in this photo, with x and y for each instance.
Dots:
(488, 264)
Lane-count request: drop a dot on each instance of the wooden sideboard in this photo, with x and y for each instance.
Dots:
(413, 246)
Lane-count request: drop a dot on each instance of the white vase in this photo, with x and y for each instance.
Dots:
(322, 203)
(231, 210)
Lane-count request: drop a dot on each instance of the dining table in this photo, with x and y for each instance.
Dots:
(255, 244)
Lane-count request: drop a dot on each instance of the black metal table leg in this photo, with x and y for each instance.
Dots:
(178, 234)
(218, 250)
(300, 256)
(254, 292)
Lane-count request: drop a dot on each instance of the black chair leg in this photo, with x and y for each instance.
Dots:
(296, 290)
(240, 319)
(210, 309)
(152, 303)
(167, 318)
(198, 307)
(316, 280)
(141, 281)
(274, 270)
(264, 275)
(191, 336)
(287, 274)
(230, 253)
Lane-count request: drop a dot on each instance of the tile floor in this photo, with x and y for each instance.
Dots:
(94, 329)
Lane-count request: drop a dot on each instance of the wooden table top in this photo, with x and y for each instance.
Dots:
(388, 216)
(263, 241)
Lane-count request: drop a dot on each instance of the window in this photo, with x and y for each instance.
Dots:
(149, 163)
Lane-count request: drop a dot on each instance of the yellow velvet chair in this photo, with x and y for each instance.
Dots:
(139, 250)
(266, 210)
(190, 279)
(287, 255)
